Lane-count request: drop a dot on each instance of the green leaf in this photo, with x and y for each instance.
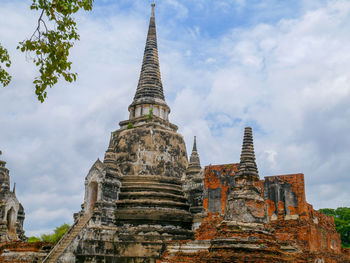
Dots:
(5, 77)
(51, 46)
(341, 217)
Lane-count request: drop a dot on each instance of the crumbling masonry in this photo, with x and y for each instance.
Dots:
(11, 211)
(145, 203)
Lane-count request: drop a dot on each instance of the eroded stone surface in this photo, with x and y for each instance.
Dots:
(11, 210)
(143, 203)
(295, 232)
(22, 252)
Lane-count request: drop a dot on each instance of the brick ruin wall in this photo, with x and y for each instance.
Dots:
(295, 221)
(296, 224)
(23, 252)
(218, 180)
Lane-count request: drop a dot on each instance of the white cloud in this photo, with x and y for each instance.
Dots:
(289, 80)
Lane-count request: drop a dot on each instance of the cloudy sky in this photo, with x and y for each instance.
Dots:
(282, 67)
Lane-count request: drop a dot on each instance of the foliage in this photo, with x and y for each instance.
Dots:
(5, 77)
(342, 222)
(33, 239)
(52, 238)
(130, 126)
(150, 114)
(55, 34)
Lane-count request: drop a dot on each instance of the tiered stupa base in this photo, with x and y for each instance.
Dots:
(245, 242)
(150, 211)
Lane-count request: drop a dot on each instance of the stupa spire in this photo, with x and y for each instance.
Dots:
(149, 93)
(194, 158)
(110, 153)
(150, 82)
(244, 203)
(247, 166)
(153, 6)
(194, 149)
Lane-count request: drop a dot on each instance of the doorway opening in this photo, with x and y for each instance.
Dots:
(11, 220)
(92, 196)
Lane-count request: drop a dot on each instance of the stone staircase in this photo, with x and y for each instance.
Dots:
(65, 241)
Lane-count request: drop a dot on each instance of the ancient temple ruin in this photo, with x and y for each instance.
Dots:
(146, 203)
(11, 210)
(134, 201)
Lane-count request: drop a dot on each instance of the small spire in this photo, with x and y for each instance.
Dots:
(194, 145)
(14, 188)
(245, 203)
(110, 154)
(110, 146)
(247, 166)
(194, 158)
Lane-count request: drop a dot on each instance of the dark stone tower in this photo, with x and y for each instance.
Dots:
(149, 93)
(194, 163)
(134, 200)
(194, 186)
(244, 203)
(152, 160)
(245, 214)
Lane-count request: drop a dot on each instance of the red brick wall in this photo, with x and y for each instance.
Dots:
(219, 177)
(312, 230)
(298, 223)
(22, 252)
(297, 185)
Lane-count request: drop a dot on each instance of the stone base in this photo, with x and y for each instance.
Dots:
(245, 242)
(147, 241)
(245, 204)
(22, 252)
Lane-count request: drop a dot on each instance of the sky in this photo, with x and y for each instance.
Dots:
(282, 67)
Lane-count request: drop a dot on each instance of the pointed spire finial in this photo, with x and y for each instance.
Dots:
(194, 158)
(149, 90)
(247, 166)
(150, 84)
(246, 189)
(194, 144)
(14, 188)
(153, 5)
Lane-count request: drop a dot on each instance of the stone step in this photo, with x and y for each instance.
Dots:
(151, 203)
(66, 239)
(152, 183)
(154, 237)
(149, 188)
(151, 178)
(151, 195)
(158, 215)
